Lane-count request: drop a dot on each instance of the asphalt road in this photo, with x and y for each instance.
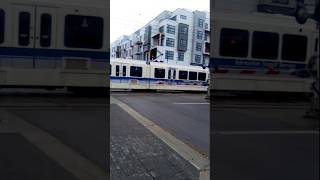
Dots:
(186, 116)
(263, 139)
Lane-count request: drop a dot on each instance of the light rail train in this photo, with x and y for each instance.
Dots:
(54, 44)
(254, 51)
(135, 74)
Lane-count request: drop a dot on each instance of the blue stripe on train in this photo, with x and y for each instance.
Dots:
(254, 64)
(153, 80)
(52, 53)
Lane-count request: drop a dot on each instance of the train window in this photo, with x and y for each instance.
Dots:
(159, 73)
(124, 70)
(117, 70)
(265, 45)
(83, 32)
(24, 28)
(193, 75)
(110, 69)
(183, 74)
(136, 71)
(2, 23)
(174, 74)
(202, 76)
(45, 30)
(294, 47)
(234, 42)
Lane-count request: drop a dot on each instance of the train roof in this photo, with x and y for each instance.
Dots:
(88, 3)
(141, 62)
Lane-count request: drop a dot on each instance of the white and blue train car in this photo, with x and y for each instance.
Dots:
(134, 74)
(60, 43)
(254, 51)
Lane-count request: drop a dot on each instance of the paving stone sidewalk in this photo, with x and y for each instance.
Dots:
(137, 154)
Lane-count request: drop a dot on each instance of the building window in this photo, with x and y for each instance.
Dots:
(45, 30)
(206, 26)
(197, 59)
(294, 47)
(265, 45)
(200, 23)
(2, 25)
(136, 71)
(206, 35)
(202, 76)
(83, 32)
(169, 55)
(161, 40)
(174, 18)
(24, 28)
(183, 17)
(180, 56)
(183, 42)
(199, 35)
(184, 30)
(183, 74)
(199, 47)
(159, 73)
(161, 29)
(170, 42)
(234, 42)
(171, 29)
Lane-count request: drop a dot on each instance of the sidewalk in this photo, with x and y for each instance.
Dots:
(27, 152)
(21, 160)
(137, 154)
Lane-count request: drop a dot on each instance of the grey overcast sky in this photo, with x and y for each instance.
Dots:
(127, 16)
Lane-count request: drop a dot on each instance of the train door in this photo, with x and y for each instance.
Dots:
(46, 23)
(171, 75)
(24, 28)
(121, 74)
(35, 28)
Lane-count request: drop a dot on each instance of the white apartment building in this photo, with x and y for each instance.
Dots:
(178, 37)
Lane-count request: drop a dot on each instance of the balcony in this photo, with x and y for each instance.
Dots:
(157, 35)
(146, 48)
(138, 42)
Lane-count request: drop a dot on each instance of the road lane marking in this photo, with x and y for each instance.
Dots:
(265, 132)
(71, 160)
(189, 154)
